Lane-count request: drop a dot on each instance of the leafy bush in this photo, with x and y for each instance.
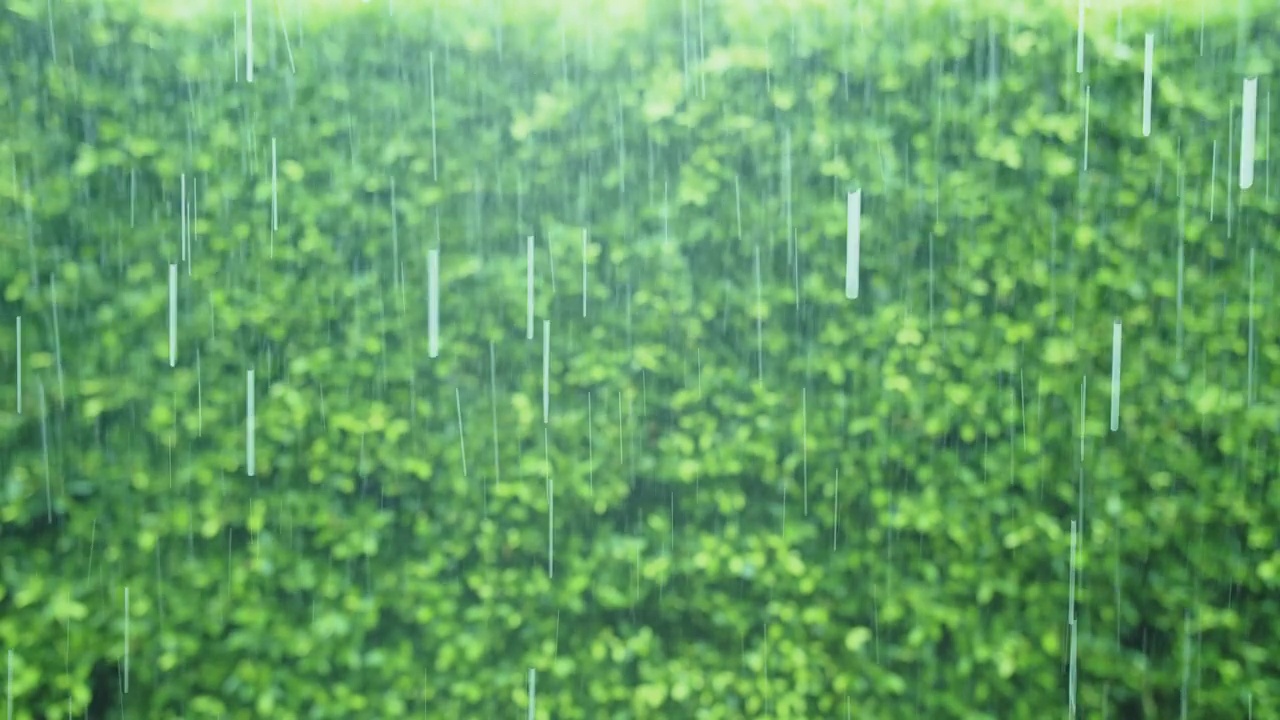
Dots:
(769, 500)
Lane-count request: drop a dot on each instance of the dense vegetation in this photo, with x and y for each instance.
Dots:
(769, 500)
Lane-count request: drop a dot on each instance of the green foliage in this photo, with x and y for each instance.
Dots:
(872, 514)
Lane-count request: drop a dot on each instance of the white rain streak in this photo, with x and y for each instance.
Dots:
(199, 398)
(182, 223)
(546, 371)
(395, 243)
(126, 639)
(19, 335)
(584, 272)
(1248, 131)
(57, 336)
(1182, 263)
(835, 512)
(431, 83)
(249, 423)
(853, 245)
(8, 687)
(1115, 376)
(1213, 180)
(44, 446)
(192, 221)
(433, 303)
(275, 204)
(462, 438)
(173, 314)
(551, 507)
(1251, 357)
(591, 450)
(1080, 37)
(1146, 84)
(804, 443)
(1084, 384)
(1186, 663)
(533, 683)
(288, 47)
(493, 406)
(1071, 621)
(248, 39)
(1087, 94)
(551, 265)
(759, 319)
(529, 288)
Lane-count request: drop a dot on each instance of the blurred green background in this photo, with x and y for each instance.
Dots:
(719, 488)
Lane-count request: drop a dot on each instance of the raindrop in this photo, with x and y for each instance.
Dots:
(546, 371)
(835, 512)
(182, 224)
(533, 682)
(1146, 84)
(1115, 376)
(199, 398)
(433, 303)
(462, 440)
(804, 443)
(249, 424)
(759, 318)
(19, 336)
(591, 449)
(431, 79)
(1213, 180)
(1251, 358)
(126, 638)
(1087, 93)
(248, 34)
(173, 314)
(1080, 37)
(529, 287)
(1071, 621)
(44, 445)
(853, 245)
(57, 337)
(275, 205)
(493, 403)
(1248, 131)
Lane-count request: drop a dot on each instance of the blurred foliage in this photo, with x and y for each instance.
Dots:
(869, 517)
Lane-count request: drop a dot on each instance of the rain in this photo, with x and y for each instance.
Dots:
(639, 359)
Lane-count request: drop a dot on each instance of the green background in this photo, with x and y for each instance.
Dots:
(769, 500)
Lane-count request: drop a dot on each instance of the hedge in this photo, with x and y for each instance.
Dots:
(751, 495)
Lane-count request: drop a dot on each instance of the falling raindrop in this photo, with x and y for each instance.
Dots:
(1115, 376)
(433, 303)
(546, 371)
(19, 363)
(275, 205)
(173, 314)
(44, 446)
(529, 288)
(249, 451)
(1080, 36)
(462, 440)
(1146, 84)
(1248, 131)
(1087, 94)
(533, 682)
(853, 245)
(126, 639)
(248, 34)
